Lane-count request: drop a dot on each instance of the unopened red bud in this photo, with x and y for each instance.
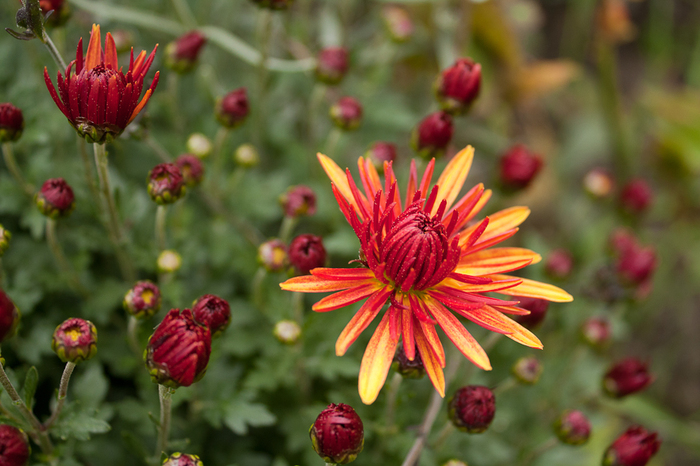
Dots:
(298, 200)
(636, 197)
(397, 22)
(5, 237)
(306, 252)
(246, 156)
(596, 332)
(199, 145)
(191, 168)
(178, 351)
(636, 265)
(181, 55)
(559, 264)
(165, 183)
(633, 448)
(599, 183)
(287, 331)
(518, 167)
(14, 446)
(55, 198)
(627, 377)
(75, 340)
(182, 459)
(169, 261)
(212, 311)
(272, 255)
(381, 152)
(432, 135)
(407, 368)
(59, 11)
(538, 311)
(527, 370)
(274, 4)
(143, 300)
(338, 435)
(331, 65)
(11, 123)
(472, 408)
(232, 109)
(9, 317)
(621, 240)
(458, 86)
(346, 113)
(572, 428)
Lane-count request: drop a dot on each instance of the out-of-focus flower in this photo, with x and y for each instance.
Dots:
(199, 145)
(212, 311)
(636, 196)
(9, 317)
(123, 40)
(298, 200)
(635, 447)
(538, 311)
(246, 156)
(232, 109)
(287, 331)
(55, 198)
(613, 20)
(432, 135)
(381, 152)
(143, 300)
(559, 264)
(14, 446)
(527, 370)
(272, 255)
(5, 237)
(338, 435)
(346, 113)
(397, 22)
(455, 463)
(191, 168)
(178, 351)
(621, 240)
(472, 409)
(306, 252)
(518, 167)
(596, 332)
(410, 369)
(182, 459)
(11, 123)
(636, 264)
(274, 4)
(627, 377)
(458, 86)
(98, 99)
(331, 65)
(169, 261)
(75, 340)
(599, 183)
(181, 55)
(572, 427)
(165, 183)
(422, 253)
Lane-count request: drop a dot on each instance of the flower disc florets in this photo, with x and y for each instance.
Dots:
(143, 300)
(182, 459)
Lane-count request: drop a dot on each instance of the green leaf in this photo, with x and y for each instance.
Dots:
(30, 383)
(79, 422)
(91, 386)
(239, 414)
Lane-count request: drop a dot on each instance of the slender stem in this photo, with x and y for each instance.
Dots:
(40, 435)
(264, 36)
(58, 254)
(160, 227)
(287, 227)
(115, 231)
(87, 168)
(157, 148)
(55, 54)
(62, 393)
(218, 158)
(317, 95)
(165, 394)
(14, 169)
(391, 397)
(184, 12)
(444, 434)
(298, 307)
(132, 335)
(539, 451)
(178, 120)
(505, 385)
(332, 141)
(258, 280)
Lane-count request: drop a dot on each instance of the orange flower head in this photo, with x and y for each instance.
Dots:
(96, 96)
(425, 256)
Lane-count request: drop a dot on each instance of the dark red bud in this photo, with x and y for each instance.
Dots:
(636, 196)
(232, 109)
(181, 55)
(527, 370)
(191, 168)
(596, 332)
(633, 448)
(346, 113)
(338, 434)
(432, 135)
(298, 200)
(75, 340)
(332, 64)
(165, 183)
(306, 252)
(11, 123)
(273, 255)
(573, 428)
(213, 312)
(636, 264)
(458, 86)
(14, 446)
(381, 152)
(518, 167)
(55, 198)
(472, 408)
(559, 264)
(143, 300)
(621, 240)
(627, 377)
(9, 317)
(538, 311)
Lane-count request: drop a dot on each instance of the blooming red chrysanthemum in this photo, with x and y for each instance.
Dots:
(423, 255)
(98, 99)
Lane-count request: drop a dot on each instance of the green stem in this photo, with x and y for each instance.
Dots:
(182, 8)
(39, 435)
(14, 169)
(160, 228)
(160, 151)
(505, 385)
(87, 168)
(539, 451)
(217, 157)
(55, 54)
(61, 260)
(62, 393)
(391, 397)
(258, 281)
(298, 307)
(317, 96)
(115, 231)
(332, 141)
(165, 395)
(287, 227)
(132, 335)
(264, 36)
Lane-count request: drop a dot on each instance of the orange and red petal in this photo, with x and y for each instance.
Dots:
(146, 97)
(430, 361)
(338, 177)
(94, 52)
(490, 318)
(453, 177)
(111, 53)
(346, 297)
(503, 221)
(496, 260)
(535, 289)
(409, 341)
(316, 284)
(359, 322)
(377, 360)
(432, 338)
(54, 94)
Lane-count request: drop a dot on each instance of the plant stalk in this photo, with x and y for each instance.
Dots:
(62, 393)
(55, 54)
(132, 335)
(160, 227)
(61, 260)
(165, 395)
(15, 171)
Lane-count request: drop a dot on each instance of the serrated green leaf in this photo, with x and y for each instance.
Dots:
(240, 414)
(90, 386)
(30, 384)
(79, 422)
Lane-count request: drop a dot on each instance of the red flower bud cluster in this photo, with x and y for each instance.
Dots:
(635, 264)
(182, 459)
(559, 264)
(55, 198)
(458, 86)
(472, 408)
(381, 152)
(636, 197)
(596, 332)
(337, 435)
(627, 377)
(527, 370)
(306, 252)
(538, 311)
(397, 23)
(635, 447)
(432, 135)
(272, 255)
(407, 368)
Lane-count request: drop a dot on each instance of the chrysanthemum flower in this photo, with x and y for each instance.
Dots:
(423, 254)
(98, 99)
